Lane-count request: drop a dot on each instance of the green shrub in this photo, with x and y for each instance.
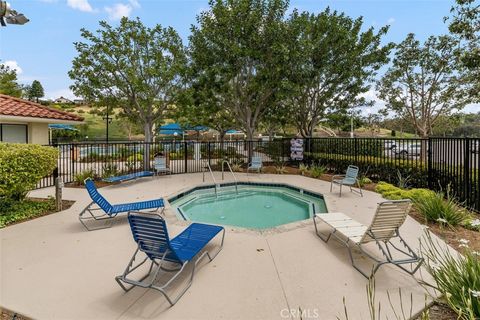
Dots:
(303, 168)
(391, 192)
(316, 171)
(22, 166)
(280, 168)
(81, 176)
(364, 181)
(109, 170)
(378, 168)
(135, 160)
(441, 208)
(417, 194)
(383, 187)
(456, 277)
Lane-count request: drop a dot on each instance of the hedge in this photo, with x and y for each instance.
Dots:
(376, 168)
(22, 166)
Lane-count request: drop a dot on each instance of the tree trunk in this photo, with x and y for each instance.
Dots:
(147, 130)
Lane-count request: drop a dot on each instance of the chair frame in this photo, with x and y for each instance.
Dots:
(93, 207)
(159, 266)
(343, 176)
(165, 170)
(259, 169)
(385, 246)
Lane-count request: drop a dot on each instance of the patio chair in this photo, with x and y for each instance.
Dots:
(160, 165)
(111, 211)
(388, 218)
(256, 164)
(347, 179)
(152, 238)
(130, 176)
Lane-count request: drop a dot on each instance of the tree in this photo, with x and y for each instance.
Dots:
(201, 106)
(131, 67)
(35, 91)
(8, 82)
(423, 83)
(237, 52)
(332, 62)
(465, 24)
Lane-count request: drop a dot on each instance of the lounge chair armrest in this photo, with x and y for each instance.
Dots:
(338, 176)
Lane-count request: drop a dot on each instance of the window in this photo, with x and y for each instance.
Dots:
(16, 133)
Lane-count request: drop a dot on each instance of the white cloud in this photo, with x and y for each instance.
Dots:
(66, 93)
(13, 65)
(391, 21)
(472, 108)
(119, 10)
(82, 5)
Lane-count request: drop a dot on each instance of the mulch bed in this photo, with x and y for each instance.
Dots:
(98, 184)
(10, 315)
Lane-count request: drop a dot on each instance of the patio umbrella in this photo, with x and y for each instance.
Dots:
(62, 127)
(173, 129)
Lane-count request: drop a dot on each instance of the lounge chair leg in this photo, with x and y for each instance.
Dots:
(94, 217)
(341, 184)
(319, 234)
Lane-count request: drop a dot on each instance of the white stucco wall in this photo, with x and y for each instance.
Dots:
(38, 133)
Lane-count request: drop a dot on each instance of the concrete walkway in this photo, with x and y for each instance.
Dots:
(52, 268)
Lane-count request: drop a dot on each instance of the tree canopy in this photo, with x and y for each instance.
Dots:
(237, 52)
(132, 67)
(423, 82)
(8, 82)
(332, 62)
(35, 91)
(465, 23)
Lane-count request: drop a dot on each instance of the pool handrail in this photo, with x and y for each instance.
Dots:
(211, 174)
(231, 171)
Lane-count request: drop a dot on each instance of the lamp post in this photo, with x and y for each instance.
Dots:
(107, 120)
(10, 16)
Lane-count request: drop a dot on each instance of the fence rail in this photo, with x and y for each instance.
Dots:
(434, 163)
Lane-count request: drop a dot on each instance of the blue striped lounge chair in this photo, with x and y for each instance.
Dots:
(109, 211)
(166, 255)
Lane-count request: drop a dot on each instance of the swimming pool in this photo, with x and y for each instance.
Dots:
(254, 205)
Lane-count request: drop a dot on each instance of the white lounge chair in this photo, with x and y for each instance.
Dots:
(256, 164)
(350, 179)
(390, 215)
(160, 165)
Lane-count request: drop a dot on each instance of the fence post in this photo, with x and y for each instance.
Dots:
(186, 155)
(72, 161)
(466, 170)
(429, 164)
(355, 148)
(209, 153)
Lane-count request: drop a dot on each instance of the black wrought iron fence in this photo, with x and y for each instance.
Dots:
(434, 163)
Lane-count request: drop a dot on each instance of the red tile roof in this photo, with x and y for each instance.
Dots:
(11, 106)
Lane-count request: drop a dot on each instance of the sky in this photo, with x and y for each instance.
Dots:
(43, 48)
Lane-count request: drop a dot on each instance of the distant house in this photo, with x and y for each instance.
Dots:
(62, 100)
(79, 101)
(24, 121)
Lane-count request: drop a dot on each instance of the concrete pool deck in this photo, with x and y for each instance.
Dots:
(52, 268)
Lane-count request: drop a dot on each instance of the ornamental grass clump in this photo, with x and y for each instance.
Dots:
(441, 207)
(456, 276)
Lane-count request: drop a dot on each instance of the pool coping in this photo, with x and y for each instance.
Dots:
(274, 230)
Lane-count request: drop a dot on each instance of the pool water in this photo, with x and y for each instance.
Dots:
(257, 207)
